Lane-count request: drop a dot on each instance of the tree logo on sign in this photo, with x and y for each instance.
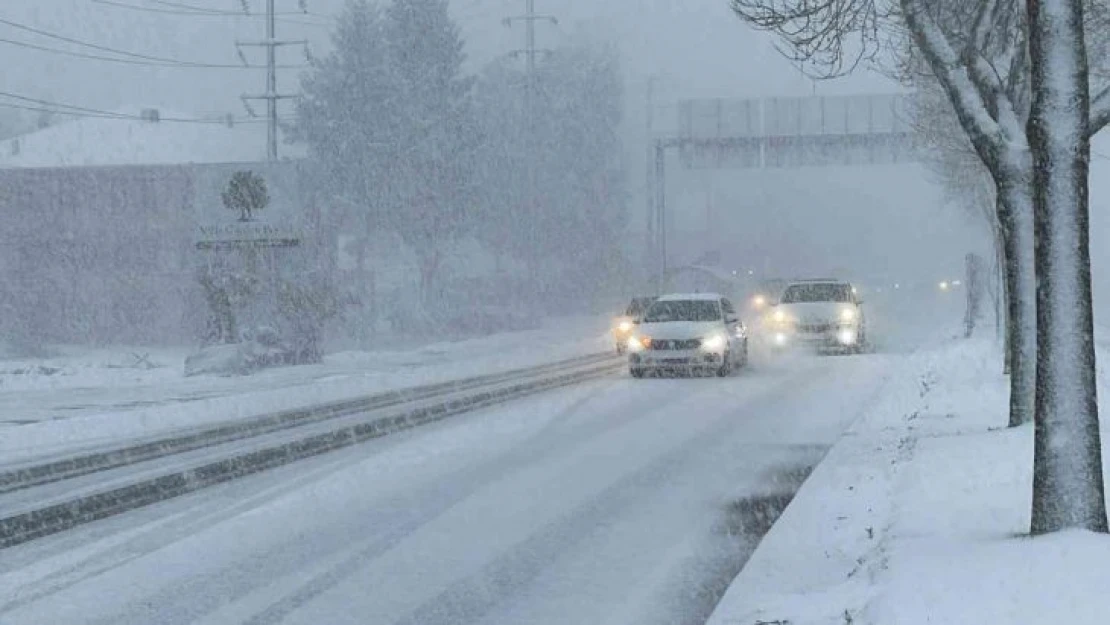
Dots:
(246, 192)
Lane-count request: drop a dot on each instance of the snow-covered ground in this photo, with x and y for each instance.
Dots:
(917, 516)
(604, 503)
(86, 397)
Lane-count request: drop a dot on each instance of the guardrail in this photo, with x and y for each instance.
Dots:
(433, 402)
(36, 473)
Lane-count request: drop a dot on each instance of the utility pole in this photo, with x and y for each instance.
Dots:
(271, 96)
(530, 52)
(661, 207)
(649, 178)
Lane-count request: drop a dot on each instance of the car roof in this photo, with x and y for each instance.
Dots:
(680, 297)
(819, 281)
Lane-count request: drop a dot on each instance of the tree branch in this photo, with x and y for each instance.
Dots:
(1100, 112)
(980, 30)
(986, 135)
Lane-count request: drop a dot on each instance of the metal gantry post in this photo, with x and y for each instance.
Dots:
(661, 207)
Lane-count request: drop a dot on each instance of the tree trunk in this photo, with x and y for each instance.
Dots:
(1067, 462)
(1015, 213)
(1003, 310)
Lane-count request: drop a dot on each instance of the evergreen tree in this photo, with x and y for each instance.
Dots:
(345, 111)
(434, 140)
(387, 116)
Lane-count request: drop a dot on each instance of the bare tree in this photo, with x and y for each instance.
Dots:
(1010, 179)
(1034, 141)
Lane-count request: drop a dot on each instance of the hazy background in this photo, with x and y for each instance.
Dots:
(871, 223)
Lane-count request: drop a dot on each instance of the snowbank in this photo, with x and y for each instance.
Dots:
(917, 515)
(87, 399)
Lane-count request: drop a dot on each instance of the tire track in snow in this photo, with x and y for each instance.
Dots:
(420, 507)
(547, 443)
(471, 600)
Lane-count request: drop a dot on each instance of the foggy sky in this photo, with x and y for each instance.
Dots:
(694, 48)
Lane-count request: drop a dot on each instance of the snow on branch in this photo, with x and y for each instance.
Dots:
(954, 76)
(832, 36)
(980, 31)
(1100, 111)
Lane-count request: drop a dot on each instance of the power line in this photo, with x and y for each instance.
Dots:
(62, 108)
(111, 59)
(67, 113)
(219, 13)
(133, 58)
(245, 12)
(205, 10)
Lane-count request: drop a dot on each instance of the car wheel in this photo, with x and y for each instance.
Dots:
(636, 372)
(726, 366)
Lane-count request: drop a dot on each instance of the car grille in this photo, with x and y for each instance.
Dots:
(815, 328)
(675, 344)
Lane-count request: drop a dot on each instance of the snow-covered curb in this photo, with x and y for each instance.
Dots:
(212, 399)
(915, 516)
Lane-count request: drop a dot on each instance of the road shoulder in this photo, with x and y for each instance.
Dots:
(916, 515)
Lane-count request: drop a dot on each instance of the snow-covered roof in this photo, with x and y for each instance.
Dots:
(682, 297)
(101, 141)
(817, 281)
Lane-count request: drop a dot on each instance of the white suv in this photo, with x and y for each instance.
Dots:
(824, 314)
(698, 332)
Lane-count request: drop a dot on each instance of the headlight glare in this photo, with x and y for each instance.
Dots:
(624, 326)
(713, 343)
(847, 314)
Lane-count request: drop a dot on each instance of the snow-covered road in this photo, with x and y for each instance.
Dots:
(604, 503)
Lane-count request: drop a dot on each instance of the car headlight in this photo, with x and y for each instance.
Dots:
(713, 343)
(625, 326)
(779, 316)
(639, 343)
(847, 314)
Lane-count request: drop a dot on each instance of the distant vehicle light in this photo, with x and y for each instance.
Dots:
(780, 338)
(759, 301)
(943, 285)
(779, 316)
(625, 326)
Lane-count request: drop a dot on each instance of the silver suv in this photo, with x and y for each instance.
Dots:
(821, 314)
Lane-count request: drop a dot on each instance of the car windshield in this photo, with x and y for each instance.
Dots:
(821, 292)
(638, 306)
(683, 310)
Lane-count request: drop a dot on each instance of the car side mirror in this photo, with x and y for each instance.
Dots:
(732, 319)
